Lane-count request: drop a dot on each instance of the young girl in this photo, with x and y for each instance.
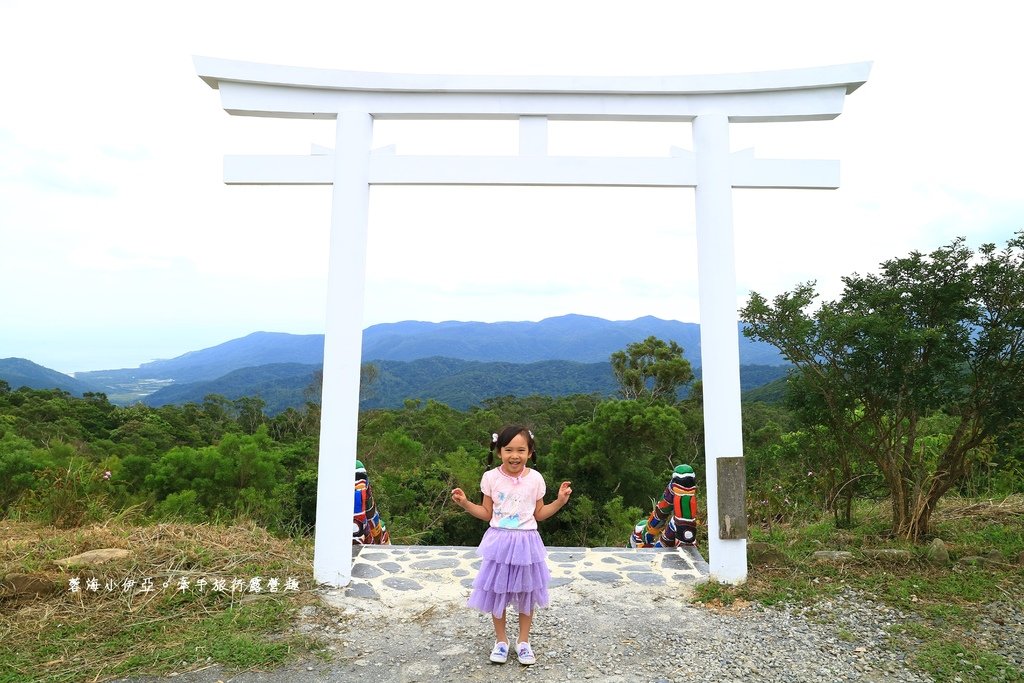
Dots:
(514, 569)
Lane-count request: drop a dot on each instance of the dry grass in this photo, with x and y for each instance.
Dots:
(114, 630)
(1003, 510)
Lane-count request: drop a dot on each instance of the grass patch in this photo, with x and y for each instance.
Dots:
(945, 604)
(913, 630)
(719, 594)
(224, 595)
(949, 661)
(846, 635)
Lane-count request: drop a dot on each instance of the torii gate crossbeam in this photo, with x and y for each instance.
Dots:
(355, 99)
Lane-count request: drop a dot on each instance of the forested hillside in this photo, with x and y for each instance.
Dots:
(279, 385)
(457, 383)
(67, 460)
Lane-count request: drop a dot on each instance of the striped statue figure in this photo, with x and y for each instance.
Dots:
(673, 522)
(367, 529)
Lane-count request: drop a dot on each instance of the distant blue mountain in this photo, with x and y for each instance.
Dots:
(19, 372)
(256, 349)
(460, 384)
(579, 338)
(572, 339)
(458, 363)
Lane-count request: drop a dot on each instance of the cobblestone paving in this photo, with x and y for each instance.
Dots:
(388, 572)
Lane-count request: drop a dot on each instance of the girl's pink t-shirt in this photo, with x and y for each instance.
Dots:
(514, 498)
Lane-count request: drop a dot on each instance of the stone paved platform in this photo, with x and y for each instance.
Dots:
(400, 573)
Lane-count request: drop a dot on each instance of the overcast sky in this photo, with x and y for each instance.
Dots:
(120, 244)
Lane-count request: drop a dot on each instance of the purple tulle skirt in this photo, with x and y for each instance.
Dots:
(514, 572)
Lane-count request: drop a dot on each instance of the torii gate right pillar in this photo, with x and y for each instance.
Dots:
(716, 275)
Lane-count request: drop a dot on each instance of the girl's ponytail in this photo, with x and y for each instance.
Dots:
(493, 446)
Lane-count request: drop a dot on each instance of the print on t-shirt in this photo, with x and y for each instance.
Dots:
(507, 509)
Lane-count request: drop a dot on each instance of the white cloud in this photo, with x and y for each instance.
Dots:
(118, 239)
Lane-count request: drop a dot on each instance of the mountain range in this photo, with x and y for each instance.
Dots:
(458, 363)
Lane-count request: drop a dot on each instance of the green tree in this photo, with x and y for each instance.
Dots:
(928, 333)
(218, 473)
(143, 429)
(651, 370)
(628, 449)
(368, 376)
(250, 413)
(19, 461)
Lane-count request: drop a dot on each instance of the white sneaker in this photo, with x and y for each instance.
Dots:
(525, 654)
(499, 653)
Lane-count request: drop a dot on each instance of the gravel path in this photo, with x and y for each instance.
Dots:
(634, 634)
(623, 633)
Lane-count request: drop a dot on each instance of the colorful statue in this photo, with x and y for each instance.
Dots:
(673, 522)
(367, 529)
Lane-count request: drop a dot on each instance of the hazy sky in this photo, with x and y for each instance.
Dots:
(120, 244)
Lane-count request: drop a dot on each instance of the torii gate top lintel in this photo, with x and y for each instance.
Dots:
(248, 89)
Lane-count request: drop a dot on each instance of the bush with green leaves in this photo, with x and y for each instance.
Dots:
(218, 474)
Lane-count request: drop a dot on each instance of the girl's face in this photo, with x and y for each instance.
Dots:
(514, 455)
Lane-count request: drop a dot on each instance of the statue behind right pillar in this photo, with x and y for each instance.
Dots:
(367, 528)
(673, 522)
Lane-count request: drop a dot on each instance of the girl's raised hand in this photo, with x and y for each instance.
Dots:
(458, 496)
(564, 491)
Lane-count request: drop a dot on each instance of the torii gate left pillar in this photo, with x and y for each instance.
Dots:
(710, 103)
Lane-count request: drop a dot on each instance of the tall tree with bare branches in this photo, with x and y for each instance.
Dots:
(936, 334)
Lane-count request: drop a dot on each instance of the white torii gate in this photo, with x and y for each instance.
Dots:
(355, 99)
